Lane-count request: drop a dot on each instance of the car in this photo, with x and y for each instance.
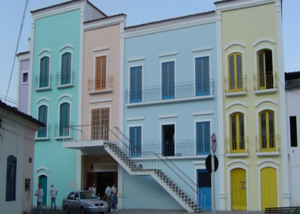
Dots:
(83, 202)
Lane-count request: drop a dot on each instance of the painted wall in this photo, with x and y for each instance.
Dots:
(23, 87)
(181, 44)
(18, 135)
(53, 35)
(292, 103)
(248, 30)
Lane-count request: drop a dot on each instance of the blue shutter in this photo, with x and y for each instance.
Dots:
(64, 119)
(136, 84)
(44, 72)
(42, 131)
(66, 69)
(135, 138)
(168, 80)
(202, 76)
(203, 137)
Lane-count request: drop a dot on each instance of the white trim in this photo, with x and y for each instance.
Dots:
(265, 101)
(202, 113)
(261, 40)
(240, 161)
(237, 103)
(99, 107)
(58, 123)
(168, 54)
(135, 59)
(100, 101)
(47, 174)
(208, 48)
(37, 116)
(267, 160)
(195, 134)
(64, 50)
(236, 43)
(234, 94)
(66, 46)
(42, 168)
(43, 98)
(21, 74)
(42, 54)
(134, 65)
(263, 165)
(135, 118)
(64, 95)
(142, 132)
(160, 73)
(167, 116)
(119, 20)
(106, 48)
(45, 52)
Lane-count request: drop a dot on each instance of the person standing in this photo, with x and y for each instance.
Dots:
(53, 193)
(107, 196)
(39, 193)
(113, 198)
(94, 189)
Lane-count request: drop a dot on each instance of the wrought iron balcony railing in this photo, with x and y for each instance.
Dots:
(265, 81)
(170, 92)
(235, 85)
(99, 132)
(267, 144)
(237, 146)
(64, 131)
(42, 82)
(99, 85)
(43, 132)
(64, 79)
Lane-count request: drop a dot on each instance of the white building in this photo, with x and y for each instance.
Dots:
(292, 85)
(17, 132)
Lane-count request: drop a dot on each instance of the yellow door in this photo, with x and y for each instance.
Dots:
(238, 189)
(268, 188)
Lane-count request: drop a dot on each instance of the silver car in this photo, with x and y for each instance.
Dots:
(84, 202)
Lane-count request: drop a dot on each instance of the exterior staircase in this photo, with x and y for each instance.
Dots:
(163, 170)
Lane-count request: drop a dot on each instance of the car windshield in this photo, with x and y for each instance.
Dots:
(87, 195)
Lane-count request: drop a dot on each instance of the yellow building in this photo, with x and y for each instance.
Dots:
(253, 155)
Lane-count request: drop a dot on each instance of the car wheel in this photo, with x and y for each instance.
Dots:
(82, 211)
(67, 210)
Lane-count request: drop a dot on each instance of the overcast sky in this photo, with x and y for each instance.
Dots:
(138, 11)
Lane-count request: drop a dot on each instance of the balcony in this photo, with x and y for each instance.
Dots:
(62, 132)
(42, 82)
(267, 146)
(43, 133)
(98, 85)
(237, 148)
(236, 86)
(179, 92)
(265, 83)
(65, 79)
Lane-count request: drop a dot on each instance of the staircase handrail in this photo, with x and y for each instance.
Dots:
(117, 128)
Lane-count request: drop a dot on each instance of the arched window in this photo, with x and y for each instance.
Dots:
(64, 120)
(265, 69)
(11, 178)
(267, 131)
(43, 117)
(44, 72)
(65, 77)
(237, 133)
(235, 72)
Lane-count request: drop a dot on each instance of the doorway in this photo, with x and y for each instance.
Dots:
(238, 189)
(268, 188)
(204, 185)
(168, 132)
(43, 179)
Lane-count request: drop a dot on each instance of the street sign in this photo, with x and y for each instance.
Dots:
(214, 142)
(208, 163)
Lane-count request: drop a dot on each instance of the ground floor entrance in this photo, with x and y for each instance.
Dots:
(238, 189)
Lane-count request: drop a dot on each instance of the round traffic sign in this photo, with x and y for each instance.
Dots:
(208, 163)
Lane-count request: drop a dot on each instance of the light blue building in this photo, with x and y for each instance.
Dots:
(55, 92)
(170, 111)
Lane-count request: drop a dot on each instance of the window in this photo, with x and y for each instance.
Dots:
(168, 80)
(235, 72)
(25, 77)
(136, 84)
(11, 178)
(293, 131)
(237, 136)
(100, 73)
(202, 76)
(267, 131)
(135, 140)
(203, 137)
(44, 72)
(43, 117)
(100, 124)
(64, 120)
(65, 77)
(265, 69)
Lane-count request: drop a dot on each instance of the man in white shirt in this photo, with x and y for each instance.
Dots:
(53, 193)
(107, 196)
(39, 193)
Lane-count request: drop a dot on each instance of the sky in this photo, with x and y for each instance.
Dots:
(138, 12)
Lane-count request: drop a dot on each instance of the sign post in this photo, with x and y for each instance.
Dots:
(213, 150)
